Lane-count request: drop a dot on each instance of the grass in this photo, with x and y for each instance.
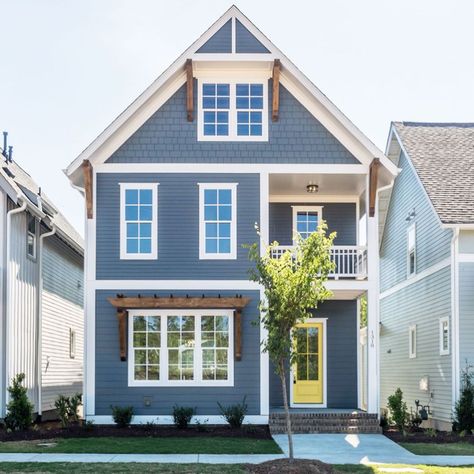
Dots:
(139, 445)
(459, 448)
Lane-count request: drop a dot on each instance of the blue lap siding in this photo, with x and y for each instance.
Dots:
(220, 42)
(341, 350)
(178, 228)
(112, 374)
(245, 42)
(167, 137)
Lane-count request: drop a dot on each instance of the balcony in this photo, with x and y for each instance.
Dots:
(350, 260)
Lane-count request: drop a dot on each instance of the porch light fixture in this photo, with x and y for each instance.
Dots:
(312, 188)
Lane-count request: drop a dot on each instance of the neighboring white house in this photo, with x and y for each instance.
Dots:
(41, 292)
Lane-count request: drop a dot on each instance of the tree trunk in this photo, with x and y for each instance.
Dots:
(287, 409)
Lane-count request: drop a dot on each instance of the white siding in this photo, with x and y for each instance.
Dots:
(62, 310)
(3, 210)
(466, 314)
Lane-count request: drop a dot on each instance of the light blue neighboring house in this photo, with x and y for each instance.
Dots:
(230, 136)
(427, 266)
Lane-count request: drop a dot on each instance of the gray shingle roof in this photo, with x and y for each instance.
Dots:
(443, 156)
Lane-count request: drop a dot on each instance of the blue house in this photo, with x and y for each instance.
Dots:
(230, 136)
(427, 266)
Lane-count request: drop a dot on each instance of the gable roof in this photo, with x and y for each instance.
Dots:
(443, 157)
(19, 185)
(173, 77)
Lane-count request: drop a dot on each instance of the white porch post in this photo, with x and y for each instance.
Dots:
(373, 368)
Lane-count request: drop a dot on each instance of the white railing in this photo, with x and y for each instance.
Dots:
(350, 260)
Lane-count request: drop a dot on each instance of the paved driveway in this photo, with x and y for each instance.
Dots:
(363, 448)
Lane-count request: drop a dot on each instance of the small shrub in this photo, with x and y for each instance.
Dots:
(234, 414)
(399, 415)
(431, 432)
(19, 409)
(464, 407)
(182, 416)
(74, 403)
(122, 415)
(62, 406)
(463, 434)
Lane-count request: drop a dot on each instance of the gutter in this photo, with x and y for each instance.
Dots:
(39, 328)
(10, 214)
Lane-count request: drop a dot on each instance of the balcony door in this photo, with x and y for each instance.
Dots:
(308, 370)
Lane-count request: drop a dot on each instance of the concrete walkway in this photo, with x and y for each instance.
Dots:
(330, 448)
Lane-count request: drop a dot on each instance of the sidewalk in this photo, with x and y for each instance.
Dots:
(330, 448)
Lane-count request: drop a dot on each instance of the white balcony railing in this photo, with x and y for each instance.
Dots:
(350, 260)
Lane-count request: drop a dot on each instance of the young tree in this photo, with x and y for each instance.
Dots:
(293, 285)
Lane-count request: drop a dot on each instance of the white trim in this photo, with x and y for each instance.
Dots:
(153, 255)
(310, 198)
(234, 36)
(174, 285)
(411, 228)
(359, 359)
(458, 226)
(419, 276)
(203, 255)
(232, 81)
(296, 209)
(442, 322)
(322, 321)
(168, 419)
(412, 341)
(466, 257)
(455, 344)
(164, 381)
(274, 168)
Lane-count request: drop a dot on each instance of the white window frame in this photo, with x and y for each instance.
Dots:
(442, 322)
(34, 235)
(153, 255)
(296, 209)
(72, 343)
(163, 381)
(203, 255)
(411, 228)
(232, 81)
(412, 336)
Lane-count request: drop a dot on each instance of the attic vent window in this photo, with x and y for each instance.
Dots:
(233, 111)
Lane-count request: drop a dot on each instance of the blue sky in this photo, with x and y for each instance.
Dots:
(70, 67)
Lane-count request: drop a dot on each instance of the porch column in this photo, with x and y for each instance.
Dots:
(373, 369)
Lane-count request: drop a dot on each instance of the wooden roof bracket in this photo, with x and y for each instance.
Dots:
(238, 334)
(122, 328)
(373, 178)
(276, 90)
(189, 90)
(88, 186)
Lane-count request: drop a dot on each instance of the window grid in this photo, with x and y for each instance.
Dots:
(306, 223)
(31, 236)
(411, 244)
(249, 104)
(215, 347)
(412, 341)
(215, 106)
(218, 220)
(181, 346)
(146, 347)
(139, 217)
(444, 336)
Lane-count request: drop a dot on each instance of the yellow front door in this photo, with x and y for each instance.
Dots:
(308, 368)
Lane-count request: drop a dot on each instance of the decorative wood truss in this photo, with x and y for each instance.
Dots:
(276, 90)
(88, 186)
(189, 90)
(373, 178)
(124, 303)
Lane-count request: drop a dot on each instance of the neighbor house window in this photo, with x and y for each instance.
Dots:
(138, 221)
(217, 221)
(411, 242)
(72, 343)
(306, 220)
(444, 336)
(233, 110)
(180, 347)
(31, 232)
(412, 341)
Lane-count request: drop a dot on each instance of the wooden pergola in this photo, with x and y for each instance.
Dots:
(124, 303)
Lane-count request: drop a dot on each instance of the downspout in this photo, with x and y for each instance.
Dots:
(39, 330)
(10, 214)
(455, 351)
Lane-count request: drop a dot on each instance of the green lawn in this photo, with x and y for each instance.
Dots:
(461, 448)
(139, 445)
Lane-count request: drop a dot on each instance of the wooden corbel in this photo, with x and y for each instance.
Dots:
(276, 91)
(238, 334)
(122, 328)
(373, 178)
(88, 183)
(189, 90)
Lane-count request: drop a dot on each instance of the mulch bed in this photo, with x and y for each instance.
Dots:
(284, 466)
(51, 430)
(422, 436)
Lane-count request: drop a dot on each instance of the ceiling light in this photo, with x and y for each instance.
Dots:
(312, 188)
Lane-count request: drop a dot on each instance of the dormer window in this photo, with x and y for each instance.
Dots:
(233, 111)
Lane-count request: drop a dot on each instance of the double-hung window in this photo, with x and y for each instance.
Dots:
(31, 231)
(412, 341)
(444, 336)
(411, 250)
(233, 111)
(138, 221)
(217, 221)
(181, 347)
(306, 220)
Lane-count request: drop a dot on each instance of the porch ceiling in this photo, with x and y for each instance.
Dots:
(329, 184)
